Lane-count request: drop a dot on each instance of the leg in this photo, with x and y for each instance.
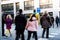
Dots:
(53, 25)
(43, 32)
(3, 29)
(35, 35)
(22, 38)
(47, 33)
(57, 24)
(17, 35)
(29, 35)
(10, 32)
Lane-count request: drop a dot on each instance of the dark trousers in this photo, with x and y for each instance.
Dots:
(53, 25)
(47, 32)
(18, 34)
(3, 29)
(57, 24)
(34, 33)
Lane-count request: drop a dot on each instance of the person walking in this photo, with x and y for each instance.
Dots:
(3, 21)
(8, 23)
(31, 26)
(45, 23)
(20, 22)
(57, 20)
(52, 20)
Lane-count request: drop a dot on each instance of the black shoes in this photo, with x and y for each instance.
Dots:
(47, 37)
(4, 35)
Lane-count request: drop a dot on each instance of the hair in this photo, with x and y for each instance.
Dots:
(34, 10)
(45, 13)
(31, 17)
(9, 16)
(20, 11)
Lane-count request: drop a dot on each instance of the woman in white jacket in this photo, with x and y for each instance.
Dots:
(31, 26)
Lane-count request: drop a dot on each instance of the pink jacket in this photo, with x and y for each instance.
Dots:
(32, 25)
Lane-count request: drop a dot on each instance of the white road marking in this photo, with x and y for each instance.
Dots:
(55, 33)
(42, 39)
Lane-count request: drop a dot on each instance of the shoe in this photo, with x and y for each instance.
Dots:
(47, 37)
(42, 37)
(5, 35)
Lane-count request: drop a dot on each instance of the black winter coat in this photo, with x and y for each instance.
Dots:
(20, 22)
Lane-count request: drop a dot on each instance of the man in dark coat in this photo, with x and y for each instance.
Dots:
(45, 23)
(3, 21)
(20, 22)
(3, 25)
(57, 20)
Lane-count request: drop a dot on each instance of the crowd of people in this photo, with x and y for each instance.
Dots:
(31, 25)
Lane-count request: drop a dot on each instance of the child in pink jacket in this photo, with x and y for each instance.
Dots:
(31, 26)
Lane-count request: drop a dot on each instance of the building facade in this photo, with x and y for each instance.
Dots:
(51, 6)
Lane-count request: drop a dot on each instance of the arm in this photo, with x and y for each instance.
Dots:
(26, 25)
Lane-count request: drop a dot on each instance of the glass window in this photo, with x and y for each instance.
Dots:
(28, 5)
(7, 7)
(59, 3)
(17, 6)
(4, 0)
(51, 14)
(46, 4)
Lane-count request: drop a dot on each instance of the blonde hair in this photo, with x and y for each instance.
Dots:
(9, 16)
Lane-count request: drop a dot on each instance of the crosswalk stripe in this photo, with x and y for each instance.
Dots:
(55, 33)
(42, 39)
(51, 35)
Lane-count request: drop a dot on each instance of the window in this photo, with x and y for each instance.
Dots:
(29, 5)
(51, 14)
(28, 15)
(7, 7)
(59, 3)
(17, 6)
(4, 0)
(46, 4)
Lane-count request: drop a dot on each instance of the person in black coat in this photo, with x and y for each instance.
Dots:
(3, 25)
(20, 22)
(57, 20)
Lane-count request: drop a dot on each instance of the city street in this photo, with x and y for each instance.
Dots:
(53, 35)
(9, 9)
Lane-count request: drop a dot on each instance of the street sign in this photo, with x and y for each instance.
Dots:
(38, 10)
